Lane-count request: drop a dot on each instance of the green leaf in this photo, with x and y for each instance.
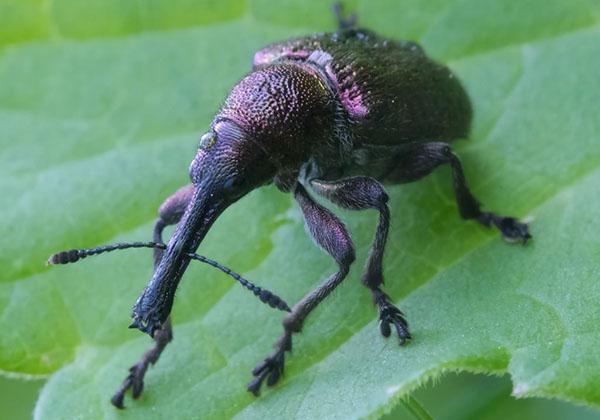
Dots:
(101, 109)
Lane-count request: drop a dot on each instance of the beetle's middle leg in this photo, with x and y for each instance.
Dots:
(170, 212)
(331, 235)
(421, 159)
(362, 193)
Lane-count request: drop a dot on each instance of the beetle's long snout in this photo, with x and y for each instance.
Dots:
(226, 167)
(154, 304)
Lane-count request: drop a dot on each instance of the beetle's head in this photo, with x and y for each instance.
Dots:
(227, 165)
(229, 162)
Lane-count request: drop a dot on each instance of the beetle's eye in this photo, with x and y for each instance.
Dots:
(207, 141)
(229, 184)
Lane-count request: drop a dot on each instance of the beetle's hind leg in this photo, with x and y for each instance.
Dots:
(422, 159)
(331, 235)
(170, 213)
(469, 208)
(362, 193)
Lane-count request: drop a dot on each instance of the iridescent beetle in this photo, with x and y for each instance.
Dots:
(337, 114)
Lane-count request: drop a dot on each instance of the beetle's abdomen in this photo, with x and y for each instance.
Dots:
(404, 96)
(286, 107)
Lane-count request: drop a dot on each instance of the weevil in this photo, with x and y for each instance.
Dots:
(334, 114)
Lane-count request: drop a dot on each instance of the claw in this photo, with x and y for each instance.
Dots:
(274, 377)
(117, 400)
(390, 314)
(403, 333)
(512, 230)
(137, 387)
(135, 381)
(254, 386)
(271, 368)
(385, 329)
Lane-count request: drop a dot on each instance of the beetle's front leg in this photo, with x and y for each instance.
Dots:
(170, 213)
(423, 158)
(330, 234)
(362, 193)
(135, 379)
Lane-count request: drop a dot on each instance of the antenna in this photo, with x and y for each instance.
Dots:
(74, 255)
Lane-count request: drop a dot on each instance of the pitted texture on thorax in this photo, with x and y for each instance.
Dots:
(287, 109)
